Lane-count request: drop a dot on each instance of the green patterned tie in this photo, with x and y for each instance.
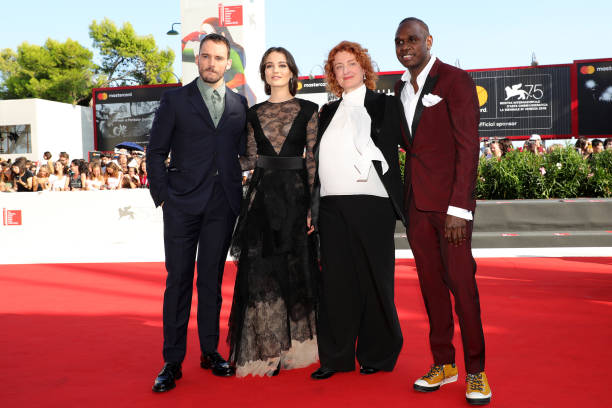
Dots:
(216, 102)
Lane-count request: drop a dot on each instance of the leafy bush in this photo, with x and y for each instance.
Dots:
(562, 173)
(599, 179)
(517, 175)
(566, 174)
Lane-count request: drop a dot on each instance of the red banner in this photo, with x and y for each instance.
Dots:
(230, 15)
(11, 217)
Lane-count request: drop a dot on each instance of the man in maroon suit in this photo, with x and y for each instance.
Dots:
(441, 133)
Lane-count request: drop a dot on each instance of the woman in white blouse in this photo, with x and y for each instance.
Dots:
(113, 177)
(95, 180)
(357, 200)
(59, 180)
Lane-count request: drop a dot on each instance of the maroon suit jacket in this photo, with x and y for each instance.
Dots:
(442, 147)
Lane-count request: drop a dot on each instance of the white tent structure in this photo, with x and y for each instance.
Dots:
(29, 127)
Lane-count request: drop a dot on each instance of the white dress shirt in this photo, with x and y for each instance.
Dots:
(410, 99)
(347, 150)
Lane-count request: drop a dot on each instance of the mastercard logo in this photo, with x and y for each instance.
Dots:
(483, 95)
(102, 96)
(587, 69)
(299, 85)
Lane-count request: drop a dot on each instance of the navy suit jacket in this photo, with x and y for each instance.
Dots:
(200, 154)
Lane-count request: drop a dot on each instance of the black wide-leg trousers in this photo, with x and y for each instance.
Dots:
(208, 234)
(356, 313)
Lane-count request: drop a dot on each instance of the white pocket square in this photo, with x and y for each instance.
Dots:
(430, 100)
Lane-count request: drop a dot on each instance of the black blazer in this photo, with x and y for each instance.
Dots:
(385, 132)
(183, 127)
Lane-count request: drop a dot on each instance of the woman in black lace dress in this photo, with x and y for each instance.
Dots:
(272, 322)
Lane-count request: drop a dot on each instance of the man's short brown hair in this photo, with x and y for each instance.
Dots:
(216, 38)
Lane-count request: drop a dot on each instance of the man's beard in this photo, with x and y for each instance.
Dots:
(216, 77)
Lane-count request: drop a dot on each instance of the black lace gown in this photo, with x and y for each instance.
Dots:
(272, 322)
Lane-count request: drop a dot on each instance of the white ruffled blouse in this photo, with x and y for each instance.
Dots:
(347, 150)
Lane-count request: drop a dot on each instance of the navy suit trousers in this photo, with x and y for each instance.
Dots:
(207, 234)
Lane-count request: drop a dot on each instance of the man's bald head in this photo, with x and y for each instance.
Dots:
(412, 44)
(417, 21)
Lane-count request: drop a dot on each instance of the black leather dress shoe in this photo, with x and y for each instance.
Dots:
(323, 373)
(277, 371)
(217, 364)
(166, 377)
(368, 370)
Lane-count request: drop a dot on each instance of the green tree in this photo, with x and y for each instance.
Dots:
(127, 58)
(57, 71)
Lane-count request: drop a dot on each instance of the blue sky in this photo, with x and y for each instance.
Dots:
(480, 34)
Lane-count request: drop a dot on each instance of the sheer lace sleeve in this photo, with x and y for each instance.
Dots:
(247, 162)
(311, 139)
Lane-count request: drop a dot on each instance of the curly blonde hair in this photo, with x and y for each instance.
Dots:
(362, 57)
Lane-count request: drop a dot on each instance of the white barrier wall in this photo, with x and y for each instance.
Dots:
(80, 226)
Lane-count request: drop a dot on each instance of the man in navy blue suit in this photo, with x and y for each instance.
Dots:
(203, 127)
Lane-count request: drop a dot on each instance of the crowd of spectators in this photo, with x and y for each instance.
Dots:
(128, 169)
(498, 148)
(120, 170)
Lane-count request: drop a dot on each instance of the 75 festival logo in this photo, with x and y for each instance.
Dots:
(524, 92)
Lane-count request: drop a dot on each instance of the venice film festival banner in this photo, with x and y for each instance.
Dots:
(594, 92)
(513, 102)
(522, 101)
(125, 114)
(242, 22)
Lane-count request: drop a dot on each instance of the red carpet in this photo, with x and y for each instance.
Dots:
(89, 335)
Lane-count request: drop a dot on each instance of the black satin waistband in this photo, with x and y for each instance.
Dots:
(280, 163)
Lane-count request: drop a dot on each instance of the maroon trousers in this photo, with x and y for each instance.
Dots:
(443, 269)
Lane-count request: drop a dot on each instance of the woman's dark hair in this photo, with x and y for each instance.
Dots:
(290, 63)
(20, 162)
(126, 181)
(140, 171)
(6, 177)
(506, 145)
(581, 143)
(82, 165)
